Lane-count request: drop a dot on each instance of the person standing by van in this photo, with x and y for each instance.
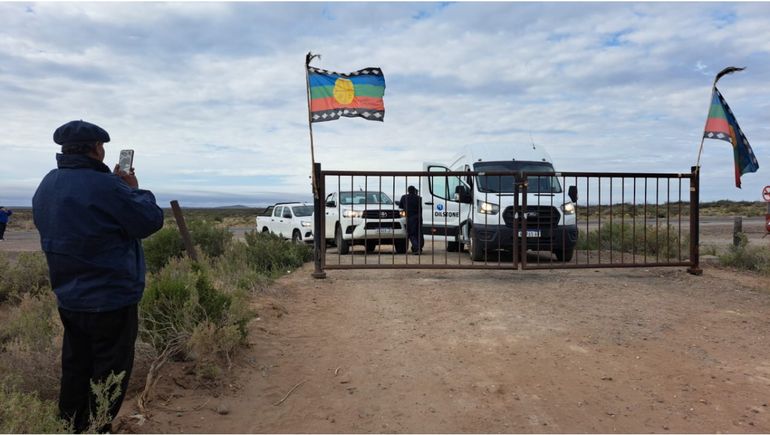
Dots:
(411, 203)
(91, 221)
(5, 217)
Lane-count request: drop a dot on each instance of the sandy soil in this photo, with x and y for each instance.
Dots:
(610, 350)
(472, 351)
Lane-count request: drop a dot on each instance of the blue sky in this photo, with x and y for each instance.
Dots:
(212, 95)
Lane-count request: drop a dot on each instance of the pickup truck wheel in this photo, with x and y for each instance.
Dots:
(452, 246)
(296, 236)
(400, 246)
(342, 244)
(265, 230)
(562, 255)
(475, 249)
(370, 245)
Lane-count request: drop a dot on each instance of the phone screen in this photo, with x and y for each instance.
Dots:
(126, 160)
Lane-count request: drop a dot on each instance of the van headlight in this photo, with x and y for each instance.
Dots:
(402, 213)
(352, 214)
(568, 208)
(306, 224)
(487, 207)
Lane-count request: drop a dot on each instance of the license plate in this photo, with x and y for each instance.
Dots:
(385, 230)
(531, 233)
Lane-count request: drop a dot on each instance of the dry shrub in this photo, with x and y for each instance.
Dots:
(26, 413)
(747, 257)
(29, 345)
(185, 316)
(29, 275)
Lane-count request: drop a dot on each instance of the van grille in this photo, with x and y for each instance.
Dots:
(537, 216)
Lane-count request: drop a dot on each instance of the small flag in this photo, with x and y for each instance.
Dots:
(721, 124)
(356, 94)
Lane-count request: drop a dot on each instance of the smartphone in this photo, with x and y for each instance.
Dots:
(126, 161)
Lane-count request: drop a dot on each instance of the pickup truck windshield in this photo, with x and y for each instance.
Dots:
(348, 198)
(504, 183)
(302, 210)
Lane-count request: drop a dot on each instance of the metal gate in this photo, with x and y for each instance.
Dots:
(506, 220)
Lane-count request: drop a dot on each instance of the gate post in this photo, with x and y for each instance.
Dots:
(319, 230)
(695, 221)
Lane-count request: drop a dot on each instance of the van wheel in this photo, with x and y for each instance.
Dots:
(564, 256)
(475, 249)
(265, 230)
(400, 246)
(452, 246)
(296, 236)
(342, 244)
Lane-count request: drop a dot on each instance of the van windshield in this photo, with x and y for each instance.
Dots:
(347, 198)
(302, 210)
(504, 183)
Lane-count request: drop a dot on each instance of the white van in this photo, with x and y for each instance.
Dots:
(478, 211)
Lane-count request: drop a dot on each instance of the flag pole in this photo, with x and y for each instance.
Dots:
(308, 58)
(728, 70)
(703, 136)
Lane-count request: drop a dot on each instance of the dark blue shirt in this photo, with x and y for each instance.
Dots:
(91, 223)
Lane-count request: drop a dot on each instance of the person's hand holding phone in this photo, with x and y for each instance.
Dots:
(129, 177)
(125, 168)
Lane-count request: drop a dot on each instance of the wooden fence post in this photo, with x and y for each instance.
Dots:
(188, 244)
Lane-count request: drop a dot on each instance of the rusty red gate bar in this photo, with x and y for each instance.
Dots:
(543, 222)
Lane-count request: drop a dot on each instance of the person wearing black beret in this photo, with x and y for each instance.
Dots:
(91, 221)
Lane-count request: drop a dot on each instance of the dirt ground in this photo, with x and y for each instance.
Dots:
(474, 351)
(588, 350)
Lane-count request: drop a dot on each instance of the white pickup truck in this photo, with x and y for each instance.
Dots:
(290, 220)
(364, 218)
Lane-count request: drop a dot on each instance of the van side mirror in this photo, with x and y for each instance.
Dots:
(572, 193)
(463, 195)
(331, 204)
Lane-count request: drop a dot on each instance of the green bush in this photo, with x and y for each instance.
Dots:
(747, 257)
(271, 255)
(661, 240)
(211, 240)
(185, 315)
(28, 276)
(233, 270)
(162, 247)
(178, 298)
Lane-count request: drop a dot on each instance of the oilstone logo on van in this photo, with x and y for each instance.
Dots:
(440, 207)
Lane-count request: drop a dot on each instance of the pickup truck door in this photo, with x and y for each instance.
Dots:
(331, 216)
(286, 222)
(442, 212)
(276, 220)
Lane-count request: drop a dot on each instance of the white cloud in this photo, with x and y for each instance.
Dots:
(213, 93)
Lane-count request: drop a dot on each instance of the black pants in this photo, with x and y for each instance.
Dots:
(414, 232)
(2, 230)
(95, 345)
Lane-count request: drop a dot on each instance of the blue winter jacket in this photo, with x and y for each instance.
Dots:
(90, 223)
(4, 216)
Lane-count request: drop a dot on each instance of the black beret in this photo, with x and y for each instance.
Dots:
(80, 132)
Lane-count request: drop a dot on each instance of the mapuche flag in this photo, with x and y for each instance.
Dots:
(356, 94)
(721, 124)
